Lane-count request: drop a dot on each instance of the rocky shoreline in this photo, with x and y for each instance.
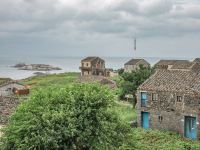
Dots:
(36, 67)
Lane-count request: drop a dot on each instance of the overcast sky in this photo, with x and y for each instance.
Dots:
(164, 28)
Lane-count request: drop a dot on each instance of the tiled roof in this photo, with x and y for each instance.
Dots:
(169, 62)
(196, 60)
(172, 80)
(133, 61)
(90, 59)
(182, 65)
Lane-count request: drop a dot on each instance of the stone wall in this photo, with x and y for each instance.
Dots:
(170, 110)
(130, 68)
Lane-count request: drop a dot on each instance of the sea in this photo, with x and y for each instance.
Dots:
(66, 63)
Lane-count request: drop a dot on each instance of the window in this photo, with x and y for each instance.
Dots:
(154, 97)
(179, 98)
(86, 64)
(160, 118)
(8, 89)
(143, 99)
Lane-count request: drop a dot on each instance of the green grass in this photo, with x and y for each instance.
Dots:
(49, 80)
(126, 111)
(161, 140)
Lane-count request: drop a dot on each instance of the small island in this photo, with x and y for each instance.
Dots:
(36, 67)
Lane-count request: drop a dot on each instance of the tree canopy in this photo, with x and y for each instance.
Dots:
(130, 81)
(78, 116)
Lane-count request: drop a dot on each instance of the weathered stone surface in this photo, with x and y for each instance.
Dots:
(178, 96)
(7, 104)
(173, 113)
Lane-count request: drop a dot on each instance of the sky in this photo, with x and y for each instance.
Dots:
(163, 28)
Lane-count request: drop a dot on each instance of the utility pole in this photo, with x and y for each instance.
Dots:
(135, 44)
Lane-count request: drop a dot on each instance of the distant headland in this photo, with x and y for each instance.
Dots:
(36, 67)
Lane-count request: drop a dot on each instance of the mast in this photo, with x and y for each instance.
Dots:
(135, 46)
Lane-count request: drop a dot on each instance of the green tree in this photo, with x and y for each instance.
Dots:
(79, 116)
(120, 71)
(131, 81)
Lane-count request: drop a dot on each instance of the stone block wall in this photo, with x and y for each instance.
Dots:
(167, 113)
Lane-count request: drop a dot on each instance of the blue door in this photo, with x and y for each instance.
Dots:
(145, 120)
(190, 127)
(143, 99)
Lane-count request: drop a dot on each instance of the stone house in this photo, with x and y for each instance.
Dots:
(11, 87)
(170, 100)
(93, 66)
(133, 64)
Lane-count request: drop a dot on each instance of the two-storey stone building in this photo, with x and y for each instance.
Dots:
(170, 99)
(93, 66)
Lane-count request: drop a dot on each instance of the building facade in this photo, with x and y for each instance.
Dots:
(170, 100)
(93, 66)
(134, 64)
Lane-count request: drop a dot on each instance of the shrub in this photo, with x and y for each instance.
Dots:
(77, 116)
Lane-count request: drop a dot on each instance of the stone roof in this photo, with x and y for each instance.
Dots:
(133, 61)
(173, 80)
(196, 60)
(90, 59)
(169, 62)
(182, 65)
(13, 84)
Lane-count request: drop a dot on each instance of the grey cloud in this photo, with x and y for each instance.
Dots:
(87, 20)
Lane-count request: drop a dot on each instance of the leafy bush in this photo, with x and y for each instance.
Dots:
(77, 116)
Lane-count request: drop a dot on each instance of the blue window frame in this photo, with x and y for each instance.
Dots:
(143, 99)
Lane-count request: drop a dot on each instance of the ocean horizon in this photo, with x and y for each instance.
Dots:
(66, 63)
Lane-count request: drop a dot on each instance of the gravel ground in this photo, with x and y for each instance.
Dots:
(7, 105)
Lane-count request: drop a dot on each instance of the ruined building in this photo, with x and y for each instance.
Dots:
(94, 66)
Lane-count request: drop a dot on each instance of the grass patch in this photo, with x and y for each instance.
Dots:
(161, 140)
(51, 79)
(126, 111)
